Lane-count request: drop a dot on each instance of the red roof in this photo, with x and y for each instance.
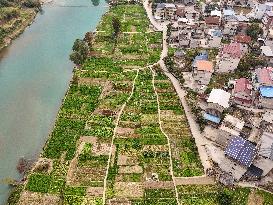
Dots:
(233, 49)
(180, 12)
(264, 76)
(242, 38)
(214, 20)
(242, 85)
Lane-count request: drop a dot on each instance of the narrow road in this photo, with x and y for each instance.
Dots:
(148, 8)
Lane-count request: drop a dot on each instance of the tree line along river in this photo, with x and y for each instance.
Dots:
(34, 75)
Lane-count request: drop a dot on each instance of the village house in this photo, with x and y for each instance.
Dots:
(243, 153)
(265, 164)
(188, 2)
(218, 101)
(263, 81)
(267, 121)
(257, 11)
(227, 165)
(165, 11)
(227, 3)
(179, 60)
(213, 21)
(191, 13)
(214, 37)
(230, 29)
(242, 92)
(241, 3)
(266, 145)
(268, 19)
(227, 13)
(242, 38)
(230, 127)
(265, 159)
(180, 11)
(197, 38)
(202, 71)
(230, 57)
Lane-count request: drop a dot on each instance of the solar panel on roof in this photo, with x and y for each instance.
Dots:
(241, 150)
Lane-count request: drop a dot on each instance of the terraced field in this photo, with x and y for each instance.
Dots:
(121, 136)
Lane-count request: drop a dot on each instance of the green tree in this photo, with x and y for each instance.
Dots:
(95, 2)
(224, 199)
(89, 37)
(33, 4)
(250, 61)
(116, 31)
(116, 27)
(80, 52)
(254, 31)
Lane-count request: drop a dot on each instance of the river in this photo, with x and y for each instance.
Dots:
(34, 75)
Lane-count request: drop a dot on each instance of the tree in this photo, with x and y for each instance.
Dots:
(250, 61)
(224, 199)
(254, 31)
(95, 2)
(116, 30)
(80, 52)
(33, 4)
(89, 37)
(116, 27)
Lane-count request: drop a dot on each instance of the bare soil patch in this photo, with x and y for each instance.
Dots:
(127, 160)
(255, 199)
(91, 81)
(105, 112)
(119, 202)
(101, 149)
(124, 131)
(94, 191)
(158, 184)
(32, 198)
(129, 189)
(130, 169)
(43, 164)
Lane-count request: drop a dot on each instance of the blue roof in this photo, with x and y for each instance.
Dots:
(217, 33)
(241, 150)
(201, 56)
(266, 91)
(212, 118)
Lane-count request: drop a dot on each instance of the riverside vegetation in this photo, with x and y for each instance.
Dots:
(14, 17)
(110, 140)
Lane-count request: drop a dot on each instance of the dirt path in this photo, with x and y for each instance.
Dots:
(199, 139)
(113, 138)
(168, 139)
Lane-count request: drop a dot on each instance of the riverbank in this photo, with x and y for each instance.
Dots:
(18, 30)
(35, 74)
(17, 21)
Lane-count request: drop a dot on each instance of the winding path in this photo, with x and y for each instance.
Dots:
(168, 139)
(113, 138)
(199, 139)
